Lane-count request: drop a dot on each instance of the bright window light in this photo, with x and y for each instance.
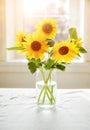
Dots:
(25, 14)
(32, 6)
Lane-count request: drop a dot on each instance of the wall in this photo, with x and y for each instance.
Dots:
(17, 75)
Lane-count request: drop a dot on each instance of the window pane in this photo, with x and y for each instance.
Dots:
(35, 10)
(24, 14)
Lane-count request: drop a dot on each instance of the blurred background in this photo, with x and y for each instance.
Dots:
(18, 15)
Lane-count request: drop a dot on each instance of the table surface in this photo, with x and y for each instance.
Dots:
(18, 110)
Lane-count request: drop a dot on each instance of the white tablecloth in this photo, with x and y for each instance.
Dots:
(18, 110)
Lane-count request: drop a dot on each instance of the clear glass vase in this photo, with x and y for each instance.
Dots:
(46, 88)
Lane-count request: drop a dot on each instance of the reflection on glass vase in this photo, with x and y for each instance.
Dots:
(46, 88)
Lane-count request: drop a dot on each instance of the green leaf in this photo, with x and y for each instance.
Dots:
(73, 33)
(60, 67)
(15, 48)
(50, 42)
(37, 62)
(49, 64)
(82, 50)
(32, 67)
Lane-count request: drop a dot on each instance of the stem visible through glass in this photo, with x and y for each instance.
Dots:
(43, 76)
(46, 90)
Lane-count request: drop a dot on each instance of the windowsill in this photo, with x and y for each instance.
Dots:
(21, 66)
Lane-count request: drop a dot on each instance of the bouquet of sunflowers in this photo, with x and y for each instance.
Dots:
(44, 52)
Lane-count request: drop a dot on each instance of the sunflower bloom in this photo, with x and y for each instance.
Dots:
(47, 27)
(77, 41)
(64, 52)
(35, 46)
(20, 40)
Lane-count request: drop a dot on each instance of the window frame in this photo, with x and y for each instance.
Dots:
(87, 29)
(2, 31)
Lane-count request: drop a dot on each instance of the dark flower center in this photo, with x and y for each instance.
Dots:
(47, 28)
(63, 50)
(35, 45)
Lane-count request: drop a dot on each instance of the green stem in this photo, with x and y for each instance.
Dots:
(40, 93)
(43, 76)
(43, 100)
(52, 91)
(48, 97)
(49, 76)
(52, 97)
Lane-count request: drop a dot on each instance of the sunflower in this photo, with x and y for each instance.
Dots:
(35, 46)
(77, 41)
(20, 40)
(64, 51)
(47, 27)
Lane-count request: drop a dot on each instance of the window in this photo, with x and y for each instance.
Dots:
(20, 15)
(57, 9)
